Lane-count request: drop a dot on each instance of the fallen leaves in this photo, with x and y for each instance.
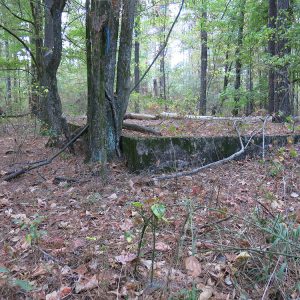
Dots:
(86, 283)
(192, 266)
(125, 258)
(58, 295)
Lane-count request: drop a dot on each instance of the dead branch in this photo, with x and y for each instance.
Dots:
(213, 164)
(41, 163)
(135, 116)
(140, 128)
(4, 116)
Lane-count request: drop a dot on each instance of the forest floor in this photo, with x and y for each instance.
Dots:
(231, 232)
(204, 128)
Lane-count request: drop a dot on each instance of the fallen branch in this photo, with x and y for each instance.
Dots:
(136, 116)
(38, 164)
(140, 128)
(213, 164)
(4, 116)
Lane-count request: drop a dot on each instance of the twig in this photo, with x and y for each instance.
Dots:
(119, 282)
(270, 279)
(5, 116)
(260, 251)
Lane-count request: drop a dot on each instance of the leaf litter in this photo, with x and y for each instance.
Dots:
(84, 251)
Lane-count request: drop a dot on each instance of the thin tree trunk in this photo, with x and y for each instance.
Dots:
(203, 71)
(124, 59)
(250, 104)
(238, 62)
(137, 30)
(162, 63)
(282, 94)
(8, 78)
(272, 52)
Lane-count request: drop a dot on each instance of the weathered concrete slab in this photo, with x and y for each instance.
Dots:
(157, 154)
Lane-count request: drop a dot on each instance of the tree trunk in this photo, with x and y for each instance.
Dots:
(112, 34)
(8, 78)
(250, 105)
(272, 52)
(203, 71)
(238, 62)
(155, 88)
(137, 30)
(124, 60)
(282, 93)
(50, 100)
(97, 19)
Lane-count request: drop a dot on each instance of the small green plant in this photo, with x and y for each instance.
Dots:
(151, 216)
(33, 233)
(293, 153)
(276, 169)
(186, 294)
(12, 281)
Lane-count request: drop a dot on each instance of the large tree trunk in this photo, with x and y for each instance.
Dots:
(203, 71)
(238, 61)
(272, 52)
(97, 19)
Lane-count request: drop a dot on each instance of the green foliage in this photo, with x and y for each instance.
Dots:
(25, 285)
(31, 227)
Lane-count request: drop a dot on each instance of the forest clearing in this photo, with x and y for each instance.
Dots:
(149, 149)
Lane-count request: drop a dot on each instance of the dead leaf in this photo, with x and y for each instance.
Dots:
(81, 270)
(160, 246)
(4, 202)
(77, 243)
(64, 291)
(125, 258)
(41, 270)
(86, 284)
(127, 225)
(53, 296)
(228, 280)
(193, 266)
(207, 293)
(113, 196)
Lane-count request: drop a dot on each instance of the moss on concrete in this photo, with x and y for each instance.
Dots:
(177, 153)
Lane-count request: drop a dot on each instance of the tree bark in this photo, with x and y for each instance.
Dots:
(203, 70)
(112, 34)
(250, 103)
(271, 49)
(51, 103)
(238, 61)
(282, 93)
(124, 60)
(8, 77)
(97, 20)
(137, 30)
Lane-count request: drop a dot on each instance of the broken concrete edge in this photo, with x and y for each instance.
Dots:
(163, 154)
